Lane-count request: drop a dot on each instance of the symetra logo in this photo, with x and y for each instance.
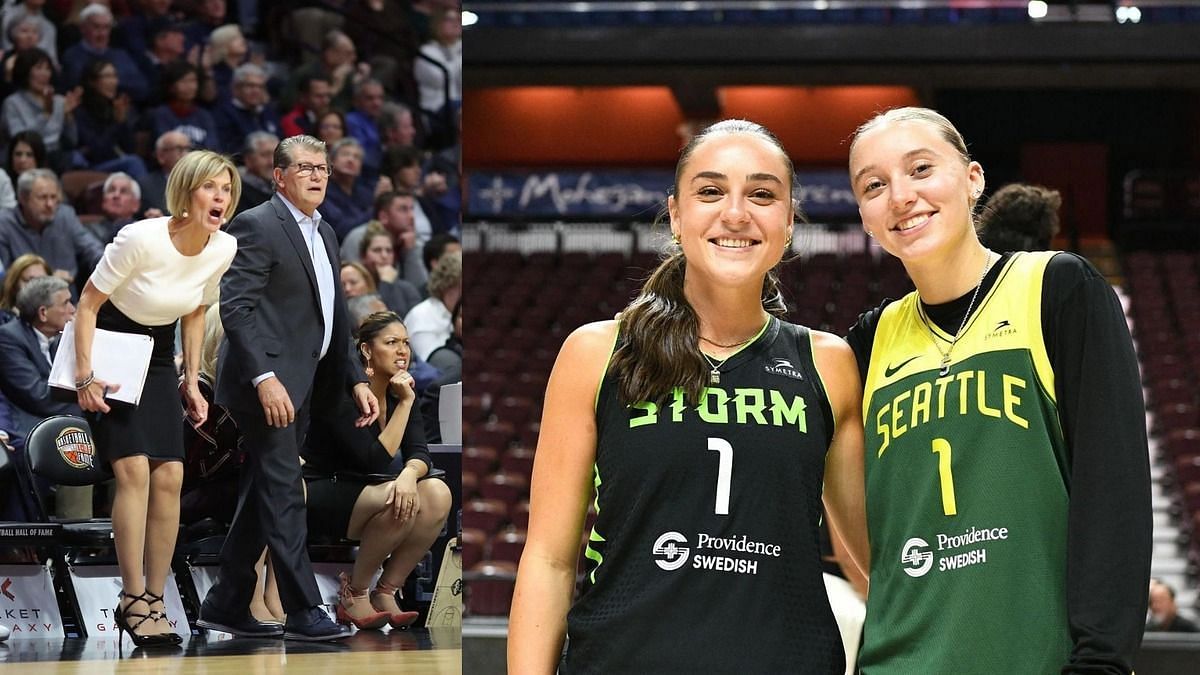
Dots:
(1003, 328)
(916, 559)
(673, 556)
(783, 367)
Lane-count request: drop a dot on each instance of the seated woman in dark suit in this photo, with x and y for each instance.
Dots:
(395, 520)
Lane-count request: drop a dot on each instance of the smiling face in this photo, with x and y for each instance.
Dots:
(732, 210)
(212, 200)
(915, 190)
(389, 352)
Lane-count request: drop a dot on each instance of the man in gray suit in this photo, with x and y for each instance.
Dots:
(286, 351)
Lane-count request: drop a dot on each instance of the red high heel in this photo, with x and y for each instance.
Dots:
(400, 620)
(349, 596)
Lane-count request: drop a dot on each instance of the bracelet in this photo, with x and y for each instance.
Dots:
(80, 385)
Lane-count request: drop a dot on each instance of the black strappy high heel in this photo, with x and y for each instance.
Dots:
(171, 638)
(123, 616)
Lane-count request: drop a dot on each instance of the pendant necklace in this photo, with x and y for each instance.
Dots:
(714, 375)
(945, 365)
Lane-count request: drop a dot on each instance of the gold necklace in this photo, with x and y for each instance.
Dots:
(945, 365)
(714, 375)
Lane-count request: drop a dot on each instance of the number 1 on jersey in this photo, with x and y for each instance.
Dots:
(724, 472)
(941, 447)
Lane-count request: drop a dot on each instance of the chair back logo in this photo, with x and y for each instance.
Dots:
(75, 446)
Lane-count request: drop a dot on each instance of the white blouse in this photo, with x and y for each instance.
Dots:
(151, 282)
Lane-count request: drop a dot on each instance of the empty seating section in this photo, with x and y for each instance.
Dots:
(530, 303)
(1164, 290)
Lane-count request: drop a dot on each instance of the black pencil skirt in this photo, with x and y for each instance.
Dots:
(154, 427)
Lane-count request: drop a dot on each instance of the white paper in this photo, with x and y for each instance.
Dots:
(117, 358)
(450, 412)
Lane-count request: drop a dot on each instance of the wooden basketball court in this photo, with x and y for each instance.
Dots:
(414, 651)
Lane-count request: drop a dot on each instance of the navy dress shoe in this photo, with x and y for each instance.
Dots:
(312, 624)
(241, 624)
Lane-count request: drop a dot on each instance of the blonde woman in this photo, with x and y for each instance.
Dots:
(155, 273)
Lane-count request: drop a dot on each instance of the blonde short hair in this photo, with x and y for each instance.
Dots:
(447, 274)
(190, 173)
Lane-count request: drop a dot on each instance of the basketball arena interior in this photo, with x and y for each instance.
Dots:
(574, 116)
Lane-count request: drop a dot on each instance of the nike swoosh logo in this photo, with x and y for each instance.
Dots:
(891, 370)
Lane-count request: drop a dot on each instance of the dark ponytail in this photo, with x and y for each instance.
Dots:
(661, 331)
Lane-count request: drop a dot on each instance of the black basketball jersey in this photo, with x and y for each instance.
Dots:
(704, 556)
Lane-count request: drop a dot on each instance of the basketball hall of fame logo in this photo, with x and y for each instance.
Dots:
(75, 446)
(916, 559)
(668, 552)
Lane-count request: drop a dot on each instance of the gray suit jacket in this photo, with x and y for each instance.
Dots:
(25, 375)
(272, 315)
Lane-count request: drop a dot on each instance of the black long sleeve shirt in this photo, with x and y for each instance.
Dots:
(1100, 405)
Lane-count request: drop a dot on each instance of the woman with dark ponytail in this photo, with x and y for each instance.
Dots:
(706, 431)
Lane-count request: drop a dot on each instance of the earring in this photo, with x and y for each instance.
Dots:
(184, 215)
(675, 238)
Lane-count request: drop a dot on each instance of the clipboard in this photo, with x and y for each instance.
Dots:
(117, 358)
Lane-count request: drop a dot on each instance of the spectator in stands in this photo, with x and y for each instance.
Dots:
(394, 213)
(157, 273)
(395, 520)
(731, 213)
(440, 85)
(448, 361)
(166, 46)
(258, 159)
(96, 23)
(313, 102)
(38, 225)
(8, 194)
(348, 200)
(249, 111)
(1164, 613)
(168, 150)
(362, 306)
(47, 33)
(35, 107)
(331, 127)
(403, 165)
(356, 280)
(362, 122)
(207, 16)
(179, 112)
(337, 64)
(20, 272)
(438, 246)
(106, 123)
(27, 349)
(120, 204)
(24, 36)
(381, 32)
(1020, 217)
(227, 51)
(378, 257)
(25, 151)
(429, 322)
(397, 129)
(1048, 321)
(134, 31)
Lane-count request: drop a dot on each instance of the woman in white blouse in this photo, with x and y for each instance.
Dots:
(154, 273)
